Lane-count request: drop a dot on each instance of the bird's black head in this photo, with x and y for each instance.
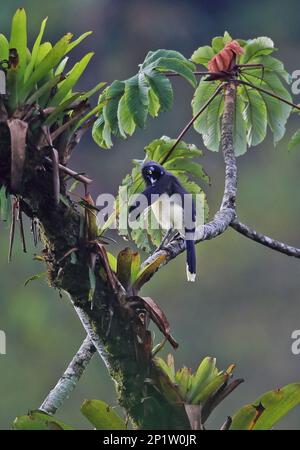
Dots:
(152, 172)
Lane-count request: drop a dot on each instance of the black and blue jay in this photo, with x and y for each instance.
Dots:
(172, 206)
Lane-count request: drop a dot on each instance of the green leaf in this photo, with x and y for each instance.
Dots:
(98, 133)
(294, 141)
(59, 112)
(162, 88)
(158, 148)
(77, 41)
(212, 134)
(210, 388)
(35, 277)
(148, 92)
(114, 92)
(217, 44)
(154, 105)
(177, 66)
(48, 62)
(146, 273)
(107, 135)
(18, 39)
(92, 91)
(153, 56)
(274, 66)
(257, 47)
(35, 51)
(65, 87)
(278, 112)
(276, 404)
(244, 418)
(43, 51)
(135, 266)
(4, 47)
(208, 123)
(92, 113)
(125, 118)
(164, 367)
(183, 379)
(112, 261)
(202, 55)
(5, 204)
(136, 95)
(61, 66)
(102, 416)
(188, 167)
(215, 382)
(205, 372)
(46, 87)
(227, 38)
(239, 129)
(92, 279)
(124, 267)
(255, 115)
(36, 420)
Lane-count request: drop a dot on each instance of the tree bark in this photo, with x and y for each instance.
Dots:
(113, 321)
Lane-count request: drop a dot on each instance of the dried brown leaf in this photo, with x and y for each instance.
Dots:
(18, 132)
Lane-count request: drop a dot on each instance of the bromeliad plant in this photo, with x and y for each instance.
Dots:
(200, 393)
(42, 119)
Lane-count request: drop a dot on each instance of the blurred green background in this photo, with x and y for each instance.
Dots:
(245, 303)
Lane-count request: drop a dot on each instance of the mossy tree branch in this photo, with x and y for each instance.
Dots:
(115, 324)
(127, 358)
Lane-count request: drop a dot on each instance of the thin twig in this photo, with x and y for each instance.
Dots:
(265, 240)
(70, 378)
(188, 126)
(265, 91)
(77, 176)
(197, 72)
(22, 233)
(14, 213)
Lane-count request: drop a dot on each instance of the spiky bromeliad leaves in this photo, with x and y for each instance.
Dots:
(127, 104)
(41, 106)
(181, 164)
(254, 109)
(202, 391)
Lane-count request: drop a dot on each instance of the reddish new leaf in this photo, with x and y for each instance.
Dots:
(222, 61)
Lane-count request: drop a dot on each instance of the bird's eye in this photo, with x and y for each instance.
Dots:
(150, 172)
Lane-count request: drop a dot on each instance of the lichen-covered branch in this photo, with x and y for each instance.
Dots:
(265, 240)
(69, 379)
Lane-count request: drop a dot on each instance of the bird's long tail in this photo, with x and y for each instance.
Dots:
(190, 260)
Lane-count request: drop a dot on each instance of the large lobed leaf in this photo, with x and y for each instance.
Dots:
(102, 416)
(254, 110)
(37, 420)
(127, 104)
(267, 410)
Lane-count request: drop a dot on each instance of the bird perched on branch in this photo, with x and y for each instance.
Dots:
(172, 206)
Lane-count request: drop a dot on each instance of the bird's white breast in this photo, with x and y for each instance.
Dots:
(168, 214)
